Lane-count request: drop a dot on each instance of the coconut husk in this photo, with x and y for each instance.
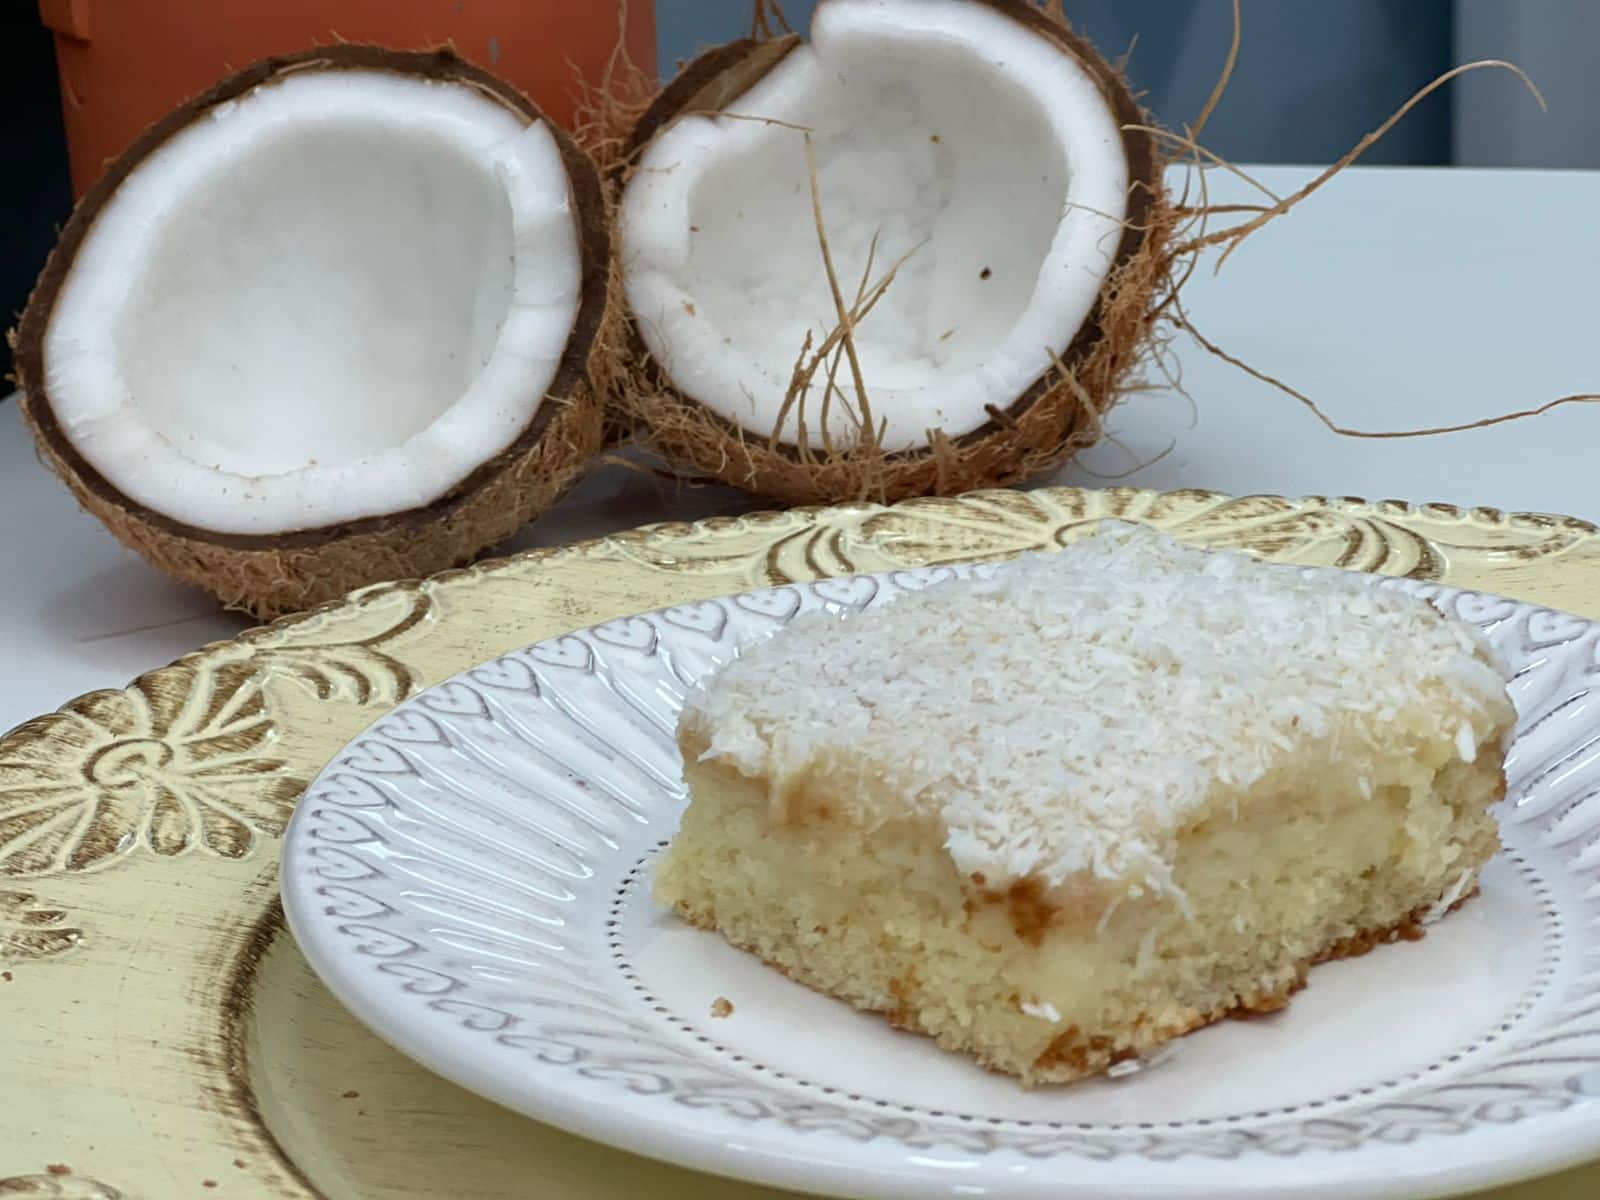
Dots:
(608, 109)
(1122, 349)
(1059, 414)
(271, 575)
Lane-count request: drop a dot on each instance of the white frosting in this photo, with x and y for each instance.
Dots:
(1071, 715)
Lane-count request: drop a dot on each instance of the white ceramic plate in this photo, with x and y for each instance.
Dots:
(471, 877)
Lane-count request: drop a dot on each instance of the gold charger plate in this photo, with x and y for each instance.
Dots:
(163, 1035)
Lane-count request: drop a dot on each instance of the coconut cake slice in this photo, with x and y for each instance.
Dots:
(1059, 817)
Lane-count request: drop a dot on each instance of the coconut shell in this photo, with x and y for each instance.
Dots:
(1059, 414)
(273, 574)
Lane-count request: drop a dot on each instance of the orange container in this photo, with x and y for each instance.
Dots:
(124, 63)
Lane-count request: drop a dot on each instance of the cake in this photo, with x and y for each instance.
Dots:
(1060, 816)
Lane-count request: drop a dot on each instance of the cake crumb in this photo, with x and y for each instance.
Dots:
(722, 1007)
(240, 1163)
(6, 975)
(59, 1169)
(348, 1095)
(211, 1183)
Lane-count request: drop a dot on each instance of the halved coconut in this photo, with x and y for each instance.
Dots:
(337, 320)
(979, 144)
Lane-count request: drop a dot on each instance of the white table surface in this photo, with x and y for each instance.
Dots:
(1397, 297)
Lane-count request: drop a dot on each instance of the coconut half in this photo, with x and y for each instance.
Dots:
(337, 320)
(979, 144)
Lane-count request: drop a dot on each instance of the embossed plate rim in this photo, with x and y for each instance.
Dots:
(79, 933)
(824, 1162)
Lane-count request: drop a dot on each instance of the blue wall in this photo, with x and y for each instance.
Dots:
(1313, 75)
(38, 194)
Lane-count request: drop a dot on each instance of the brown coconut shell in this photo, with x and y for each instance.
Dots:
(273, 574)
(1059, 414)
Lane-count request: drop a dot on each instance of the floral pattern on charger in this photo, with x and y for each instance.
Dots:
(182, 761)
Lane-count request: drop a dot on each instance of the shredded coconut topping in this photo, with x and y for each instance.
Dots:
(1070, 715)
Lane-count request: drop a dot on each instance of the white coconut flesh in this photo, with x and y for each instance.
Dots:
(332, 298)
(939, 122)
